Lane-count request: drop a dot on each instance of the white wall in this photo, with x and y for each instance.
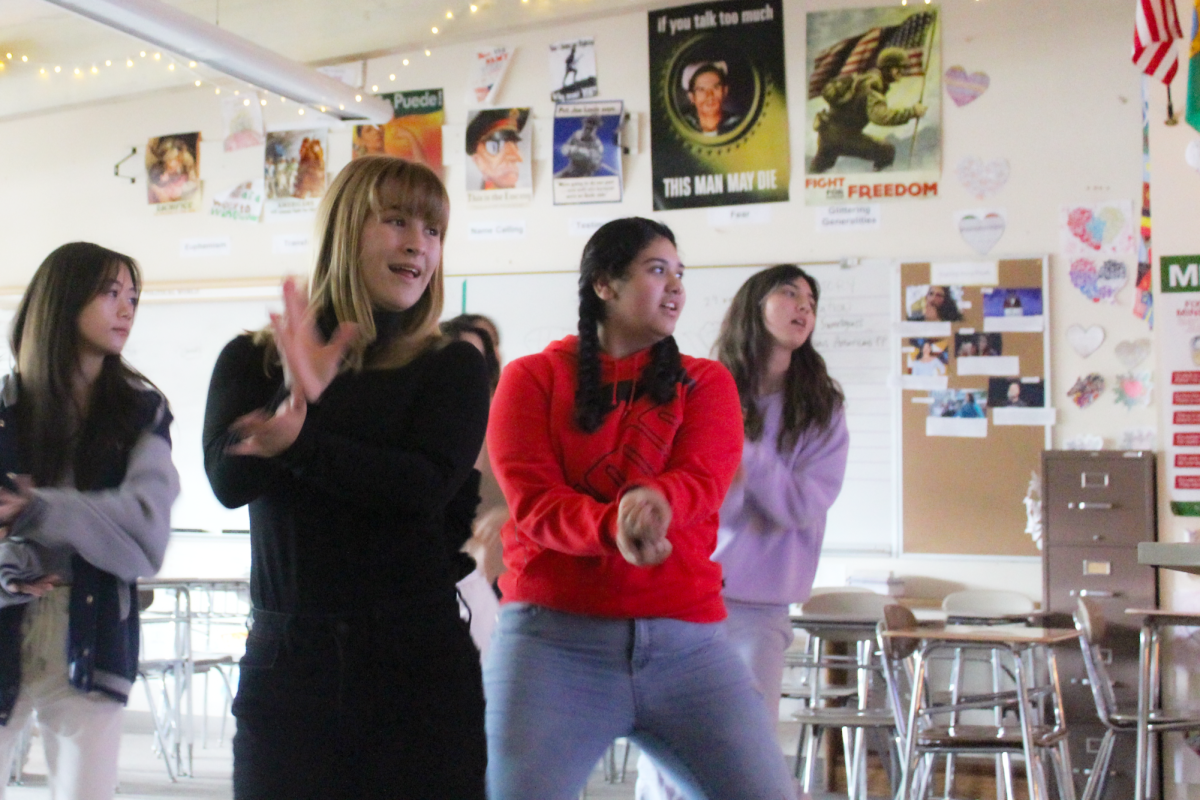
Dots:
(1063, 107)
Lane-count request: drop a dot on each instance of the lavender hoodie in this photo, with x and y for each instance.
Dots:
(773, 519)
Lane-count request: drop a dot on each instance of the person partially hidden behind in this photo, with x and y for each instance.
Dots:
(854, 101)
(492, 139)
(707, 91)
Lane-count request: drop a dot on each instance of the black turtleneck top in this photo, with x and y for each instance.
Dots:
(352, 517)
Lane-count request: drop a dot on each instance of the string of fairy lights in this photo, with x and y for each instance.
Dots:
(14, 63)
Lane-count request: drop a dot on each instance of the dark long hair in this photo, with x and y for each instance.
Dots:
(54, 431)
(608, 254)
(810, 395)
(464, 324)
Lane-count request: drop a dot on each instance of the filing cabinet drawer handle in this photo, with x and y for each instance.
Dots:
(1084, 506)
(1093, 593)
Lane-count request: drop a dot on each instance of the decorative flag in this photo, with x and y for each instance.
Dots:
(1143, 302)
(857, 53)
(1193, 96)
(1155, 30)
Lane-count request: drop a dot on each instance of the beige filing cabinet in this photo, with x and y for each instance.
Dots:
(1096, 507)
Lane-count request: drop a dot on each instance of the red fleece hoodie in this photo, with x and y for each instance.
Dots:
(563, 485)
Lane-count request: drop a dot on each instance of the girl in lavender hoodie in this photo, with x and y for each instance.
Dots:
(793, 462)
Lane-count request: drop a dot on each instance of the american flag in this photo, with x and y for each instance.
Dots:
(857, 53)
(1156, 27)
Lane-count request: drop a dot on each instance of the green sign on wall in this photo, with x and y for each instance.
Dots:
(1180, 273)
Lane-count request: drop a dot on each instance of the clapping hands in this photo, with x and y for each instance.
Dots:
(643, 517)
(310, 362)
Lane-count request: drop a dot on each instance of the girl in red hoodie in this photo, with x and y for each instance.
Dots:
(614, 453)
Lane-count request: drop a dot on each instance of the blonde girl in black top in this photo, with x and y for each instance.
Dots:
(349, 427)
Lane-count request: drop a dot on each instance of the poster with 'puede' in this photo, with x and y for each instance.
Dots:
(718, 105)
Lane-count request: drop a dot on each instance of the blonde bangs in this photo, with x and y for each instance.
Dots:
(368, 186)
(414, 191)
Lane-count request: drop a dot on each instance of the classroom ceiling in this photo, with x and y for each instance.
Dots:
(52, 59)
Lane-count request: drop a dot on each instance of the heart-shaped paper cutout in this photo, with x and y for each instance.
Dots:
(1095, 230)
(1133, 389)
(1086, 441)
(981, 232)
(1133, 353)
(1086, 390)
(964, 88)
(982, 178)
(1099, 282)
(1085, 341)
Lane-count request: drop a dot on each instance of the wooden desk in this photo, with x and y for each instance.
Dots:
(1021, 642)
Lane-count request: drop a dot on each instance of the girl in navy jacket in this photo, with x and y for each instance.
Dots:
(85, 506)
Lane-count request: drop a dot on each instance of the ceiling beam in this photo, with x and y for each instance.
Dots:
(158, 23)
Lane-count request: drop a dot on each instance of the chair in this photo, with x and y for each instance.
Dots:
(983, 607)
(1092, 628)
(839, 620)
(174, 674)
(920, 717)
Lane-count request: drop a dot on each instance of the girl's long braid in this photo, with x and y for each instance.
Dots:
(590, 405)
(664, 371)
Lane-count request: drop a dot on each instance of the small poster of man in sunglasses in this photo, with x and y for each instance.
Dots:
(499, 157)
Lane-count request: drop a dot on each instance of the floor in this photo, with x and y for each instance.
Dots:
(143, 776)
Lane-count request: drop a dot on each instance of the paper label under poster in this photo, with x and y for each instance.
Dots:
(587, 153)
(718, 105)
(873, 105)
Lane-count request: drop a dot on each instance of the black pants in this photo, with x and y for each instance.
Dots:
(360, 707)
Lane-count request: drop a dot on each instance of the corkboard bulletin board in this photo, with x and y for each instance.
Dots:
(964, 496)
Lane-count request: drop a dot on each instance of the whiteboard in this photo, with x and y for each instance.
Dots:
(179, 334)
(854, 333)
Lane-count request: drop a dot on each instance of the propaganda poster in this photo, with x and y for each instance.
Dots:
(718, 105)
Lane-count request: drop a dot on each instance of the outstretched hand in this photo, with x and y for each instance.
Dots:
(312, 363)
(267, 435)
(39, 588)
(643, 517)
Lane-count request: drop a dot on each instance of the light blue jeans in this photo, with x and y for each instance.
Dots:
(759, 634)
(560, 687)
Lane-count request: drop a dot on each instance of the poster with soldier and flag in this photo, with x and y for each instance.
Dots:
(718, 104)
(874, 105)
